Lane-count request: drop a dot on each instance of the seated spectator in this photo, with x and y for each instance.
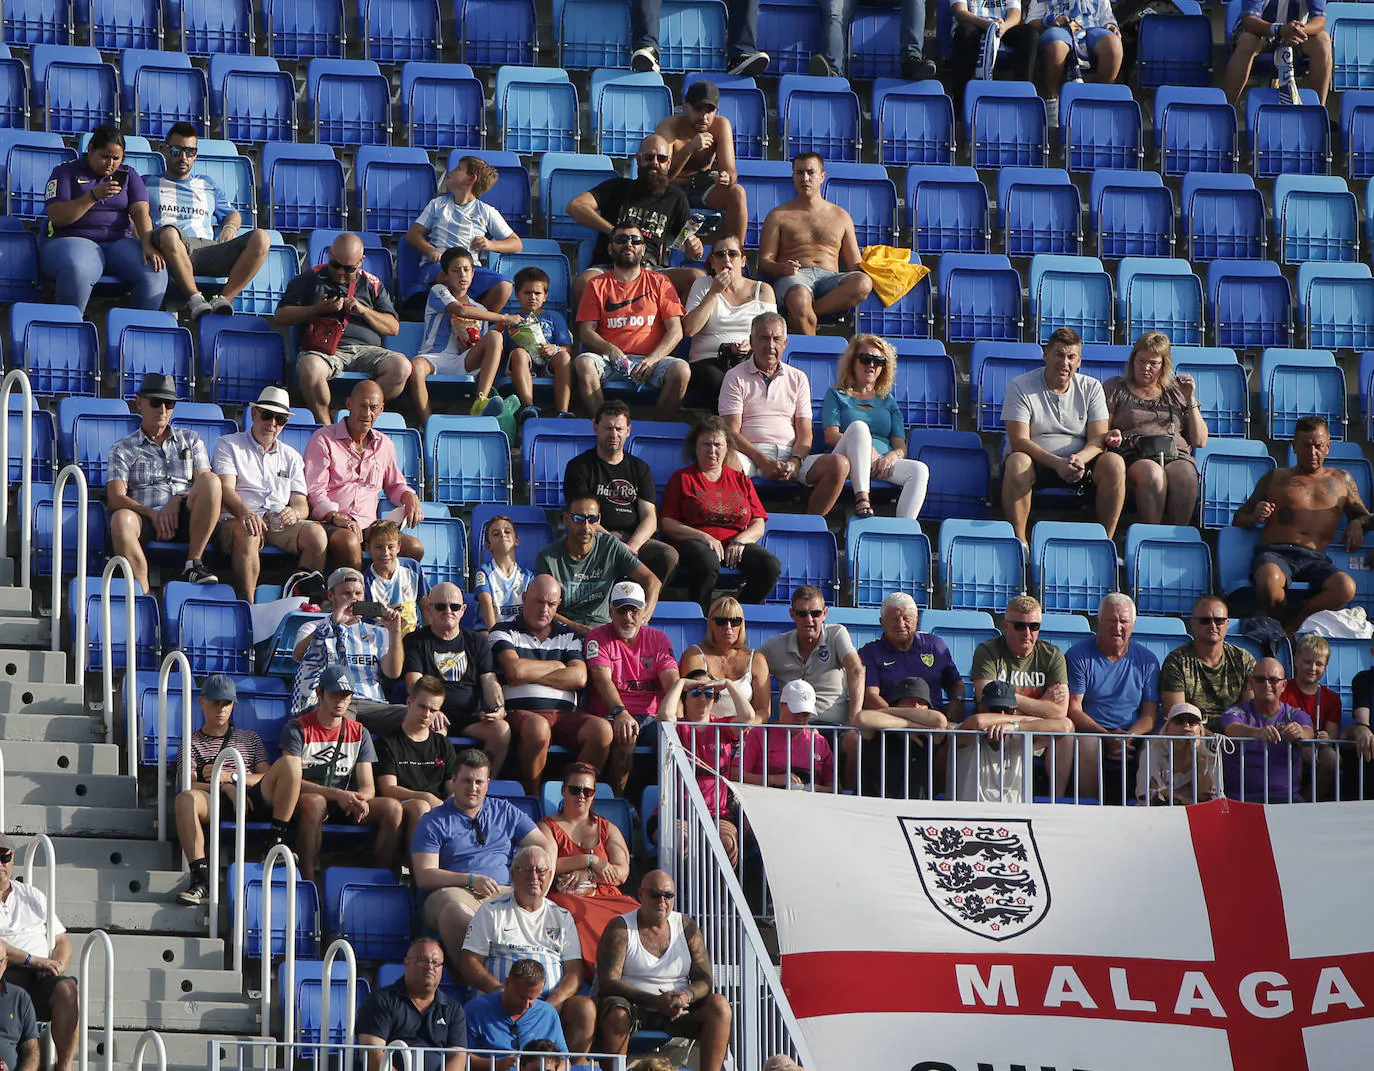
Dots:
(458, 219)
(1176, 771)
(540, 344)
(864, 425)
(821, 654)
(512, 1018)
(343, 312)
(535, 1060)
(268, 795)
(975, 54)
(648, 203)
(1156, 422)
(185, 210)
(725, 655)
(460, 853)
(1113, 688)
(1267, 26)
(18, 1024)
(1207, 672)
(701, 142)
(262, 493)
(1075, 35)
(34, 965)
(630, 347)
(1304, 690)
(159, 486)
(1299, 509)
(415, 762)
(770, 434)
(587, 563)
(501, 581)
(473, 702)
(415, 1010)
(1056, 422)
(795, 757)
(835, 18)
(898, 765)
(542, 669)
(524, 924)
(808, 246)
(390, 579)
(713, 515)
(720, 311)
(744, 59)
(1266, 767)
(98, 224)
(623, 486)
(331, 756)
(346, 465)
(630, 665)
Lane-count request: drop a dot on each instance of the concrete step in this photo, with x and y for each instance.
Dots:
(90, 821)
(116, 855)
(133, 917)
(7, 571)
(171, 985)
(69, 789)
(29, 697)
(185, 1051)
(142, 951)
(69, 728)
(127, 884)
(24, 666)
(17, 631)
(189, 1013)
(38, 757)
(16, 602)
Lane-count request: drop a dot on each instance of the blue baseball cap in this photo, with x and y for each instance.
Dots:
(335, 678)
(219, 689)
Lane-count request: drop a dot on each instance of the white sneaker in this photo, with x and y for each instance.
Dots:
(644, 59)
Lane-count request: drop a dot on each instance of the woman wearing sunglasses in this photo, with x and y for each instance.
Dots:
(721, 306)
(863, 422)
(593, 860)
(725, 655)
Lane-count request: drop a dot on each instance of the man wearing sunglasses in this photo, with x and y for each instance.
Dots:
(1265, 766)
(1208, 672)
(185, 209)
(159, 486)
(1035, 668)
(262, 489)
(823, 655)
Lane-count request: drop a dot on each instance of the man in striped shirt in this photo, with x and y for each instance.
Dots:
(186, 208)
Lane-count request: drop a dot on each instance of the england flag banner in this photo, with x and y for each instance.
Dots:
(939, 936)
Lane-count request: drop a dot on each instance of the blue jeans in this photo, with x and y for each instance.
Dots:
(76, 264)
(741, 25)
(837, 14)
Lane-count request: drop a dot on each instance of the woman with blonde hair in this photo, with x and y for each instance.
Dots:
(1156, 424)
(725, 654)
(863, 422)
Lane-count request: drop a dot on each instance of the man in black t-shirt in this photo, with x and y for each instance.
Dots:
(415, 764)
(462, 660)
(623, 486)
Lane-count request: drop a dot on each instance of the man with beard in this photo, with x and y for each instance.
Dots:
(649, 202)
(629, 321)
(702, 142)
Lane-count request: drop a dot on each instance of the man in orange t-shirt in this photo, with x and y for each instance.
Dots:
(629, 322)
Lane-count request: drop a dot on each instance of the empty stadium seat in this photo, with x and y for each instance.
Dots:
(806, 548)
(1352, 44)
(591, 33)
(444, 560)
(162, 88)
(233, 173)
(305, 29)
(818, 115)
(73, 87)
(887, 554)
(37, 22)
(28, 159)
(1160, 635)
(1298, 383)
(913, 123)
(442, 106)
(216, 636)
(1228, 471)
(349, 102)
(980, 294)
(1039, 211)
(255, 98)
(216, 28)
(1160, 295)
(1293, 139)
(97, 523)
(962, 631)
(43, 433)
(55, 346)
(308, 1005)
(141, 342)
(1168, 567)
(562, 176)
(264, 290)
(239, 355)
(302, 187)
(1357, 132)
(684, 624)
(1073, 564)
(206, 419)
(391, 187)
(1336, 303)
(468, 459)
(546, 447)
(948, 210)
(868, 195)
(496, 32)
(536, 109)
(1195, 130)
(370, 910)
(743, 103)
(398, 31)
(1223, 217)
(909, 317)
(658, 443)
(991, 366)
(982, 563)
(789, 31)
(18, 262)
(959, 472)
(87, 428)
(1133, 214)
(925, 383)
(1071, 292)
(117, 24)
(14, 90)
(147, 625)
(1101, 127)
(1005, 125)
(626, 108)
(816, 356)
(1315, 218)
(1175, 48)
(1251, 305)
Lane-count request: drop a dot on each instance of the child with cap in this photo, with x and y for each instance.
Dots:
(989, 769)
(1179, 771)
(795, 756)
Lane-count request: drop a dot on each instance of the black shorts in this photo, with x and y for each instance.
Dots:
(686, 1025)
(181, 535)
(1046, 479)
(39, 987)
(1302, 564)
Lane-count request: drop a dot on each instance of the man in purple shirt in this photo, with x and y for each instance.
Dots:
(902, 652)
(1265, 767)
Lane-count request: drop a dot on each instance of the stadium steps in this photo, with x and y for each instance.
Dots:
(185, 1051)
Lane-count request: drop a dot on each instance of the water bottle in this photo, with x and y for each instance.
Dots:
(274, 521)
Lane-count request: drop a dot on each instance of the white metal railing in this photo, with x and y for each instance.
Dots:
(50, 876)
(101, 939)
(3, 827)
(279, 853)
(131, 591)
(225, 756)
(402, 1051)
(326, 992)
(70, 474)
(243, 1053)
(174, 660)
(150, 1039)
(18, 377)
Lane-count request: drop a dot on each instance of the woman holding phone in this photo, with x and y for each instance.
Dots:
(98, 223)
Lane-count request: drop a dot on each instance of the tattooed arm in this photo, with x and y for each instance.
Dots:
(1258, 508)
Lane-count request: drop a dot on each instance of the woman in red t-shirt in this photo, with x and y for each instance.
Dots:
(713, 515)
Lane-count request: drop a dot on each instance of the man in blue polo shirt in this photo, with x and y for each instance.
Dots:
(18, 1025)
(460, 854)
(1269, 25)
(415, 1010)
(508, 1019)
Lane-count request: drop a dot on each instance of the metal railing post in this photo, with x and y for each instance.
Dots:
(401, 1049)
(279, 853)
(178, 660)
(150, 1039)
(326, 988)
(131, 592)
(83, 504)
(83, 989)
(3, 827)
(227, 755)
(20, 377)
(50, 877)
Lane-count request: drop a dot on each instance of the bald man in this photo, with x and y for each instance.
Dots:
(343, 313)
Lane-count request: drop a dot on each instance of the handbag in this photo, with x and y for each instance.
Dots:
(324, 333)
(1161, 448)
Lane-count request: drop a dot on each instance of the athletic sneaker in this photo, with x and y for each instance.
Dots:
(749, 64)
(197, 306)
(820, 66)
(917, 68)
(526, 413)
(196, 573)
(195, 893)
(221, 305)
(487, 405)
(644, 60)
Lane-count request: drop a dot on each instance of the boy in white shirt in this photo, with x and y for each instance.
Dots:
(1059, 22)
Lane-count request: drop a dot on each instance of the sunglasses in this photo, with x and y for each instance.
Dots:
(182, 150)
(726, 253)
(584, 518)
(1260, 678)
(654, 157)
(585, 792)
(1211, 620)
(279, 419)
(478, 831)
(659, 894)
(703, 693)
(627, 608)
(454, 607)
(733, 622)
(628, 239)
(161, 403)
(347, 269)
(6, 855)
(872, 360)
(1025, 626)
(813, 614)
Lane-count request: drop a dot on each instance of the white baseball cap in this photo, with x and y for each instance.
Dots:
(799, 696)
(627, 593)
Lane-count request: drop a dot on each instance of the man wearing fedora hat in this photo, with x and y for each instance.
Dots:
(160, 486)
(262, 482)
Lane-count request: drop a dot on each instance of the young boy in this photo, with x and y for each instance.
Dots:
(501, 582)
(453, 339)
(1304, 691)
(392, 580)
(797, 758)
(532, 290)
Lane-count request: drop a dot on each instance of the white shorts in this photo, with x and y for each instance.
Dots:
(774, 452)
(447, 363)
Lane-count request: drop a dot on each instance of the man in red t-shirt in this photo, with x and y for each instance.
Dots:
(1320, 703)
(629, 321)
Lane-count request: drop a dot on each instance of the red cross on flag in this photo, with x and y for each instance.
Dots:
(933, 936)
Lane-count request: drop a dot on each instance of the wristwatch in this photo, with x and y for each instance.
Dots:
(620, 709)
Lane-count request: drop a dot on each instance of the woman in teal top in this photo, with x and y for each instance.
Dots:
(862, 422)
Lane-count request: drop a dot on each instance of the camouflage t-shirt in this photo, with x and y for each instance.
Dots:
(1211, 689)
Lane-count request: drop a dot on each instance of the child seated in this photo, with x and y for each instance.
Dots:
(541, 353)
(1305, 691)
(392, 580)
(501, 582)
(797, 757)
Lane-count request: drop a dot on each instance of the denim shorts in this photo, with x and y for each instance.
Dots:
(818, 280)
(607, 373)
(1058, 33)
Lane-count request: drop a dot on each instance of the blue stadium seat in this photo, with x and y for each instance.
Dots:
(868, 195)
(1073, 564)
(55, 346)
(1251, 305)
(909, 317)
(1298, 383)
(948, 210)
(444, 539)
(1064, 629)
(162, 88)
(1357, 132)
(553, 264)
(980, 294)
(14, 91)
(1223, 217)
(1228, 470)
(44, 435)
(591, 33)
(255, 98)
(925, 384)
(562, 176)
(118, 24)
(302, 187)
(233, 173)
(546, 447)
(962, 631)
(75, 90)
(18, 261)
(216, 636)
(1005, 125)
(1133, 214)
(87, 428)
(1348, 657)
(743, 103)
(766, 621)
(1222, 388)
(239, 355)
(349, 102)
(443, 106)
(398, 31)
(1175, 48)
(264, 290)
(1235, 546)
(206, 419)
(887, 554)
(1168, 567)
(536, 109)
(768, 183)
(874, 45)
(141, 342)
(496, 32)
(959, 472)
(1101, 127)
(1195, 130)
(531, 526)
(789, 31)
(305, 29)
(28, 159)
(216, 28)
(1160, 295)
(1336, 302)
(38, 22)
(659, 444)
(626, 108)
(1160, 635)
(806, 548)
(1352, 44)
(913, 123)
(1293, 139)
(818, 115)
(991, 366)
(684, 624)
(1366, 390)
(97, 523)
(1315, 218)
(336, 878)
(1039, 211)
(376, 918)
(817, 356)
(1071, 292)
(391, 187)
(982, 563)
(147, 625)
(468, 459)
(148, 722)
(308, 1005)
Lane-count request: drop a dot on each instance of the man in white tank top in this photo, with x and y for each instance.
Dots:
(653, 973)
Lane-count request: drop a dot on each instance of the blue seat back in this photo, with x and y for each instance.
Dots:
(497, 32)
(443, 109)
(547, 445)
(982, 563)
(806, 548)
(1195, 130)
(1005, 124)
(214, 28)
(789, 32)
(395, 31)
(1228, 474)
(659, 445)
(1224, 216)
(913, 125)
(1074, 565)
(885, 555)
(818, 115)
(305, 29)
(470, 459)
(959, 472)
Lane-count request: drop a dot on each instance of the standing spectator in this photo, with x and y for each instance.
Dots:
(1065, 53)
(159, 486)
(1156, 423)
(623, 486)
(346, 465)
(262, 492)
(18, 1024)
(415, 1010)
(702, 144)
(415, 762)
(744, 58)
(1266, 26)
(973, 20)
(724, 654)
(1304, 690)
(343, 312)
(98, 223)
(512, 1018)
(835, 19)
(629, 321)
(1207, 672)
(713, 515)
(823, 655)
(720, 312)
(185, 210)
(501, 581)
(1267, 768)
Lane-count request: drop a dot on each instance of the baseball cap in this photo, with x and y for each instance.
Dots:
(913, 688)
(158, 385)
(342, 574)
(703, 94)
(1185, 712)
(627, 593)
(274, 400)
(5, 842)
(219, 689)
(999, 695)
(335, 678)
(799, 696)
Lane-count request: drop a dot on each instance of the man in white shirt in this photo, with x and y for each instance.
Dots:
(1056, 422)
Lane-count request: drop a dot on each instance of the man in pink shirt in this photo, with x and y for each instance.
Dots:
(767, 407)
(346, 464)
(793, 757)
(630, 667)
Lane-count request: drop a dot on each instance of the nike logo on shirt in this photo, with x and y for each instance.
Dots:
(612, 306)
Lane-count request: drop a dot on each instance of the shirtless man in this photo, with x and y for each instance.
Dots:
(702, 142)
(1299, 509)
(804, 242)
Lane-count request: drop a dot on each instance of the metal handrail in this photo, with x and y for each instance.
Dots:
(3, 827)
(50, 862)
(401, 1049)
(20, 377)
(83, 998)
(178, 660)
(131, 592)
(327, 985)
(226, 755)
(83, 506)
(154, 1039)
(279, 853)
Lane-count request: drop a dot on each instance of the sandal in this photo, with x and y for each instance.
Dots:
(863, 507)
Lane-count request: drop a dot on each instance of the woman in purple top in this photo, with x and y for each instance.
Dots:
(98, 222)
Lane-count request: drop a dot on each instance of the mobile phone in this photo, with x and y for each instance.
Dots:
(368, 608)
(121, 175)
